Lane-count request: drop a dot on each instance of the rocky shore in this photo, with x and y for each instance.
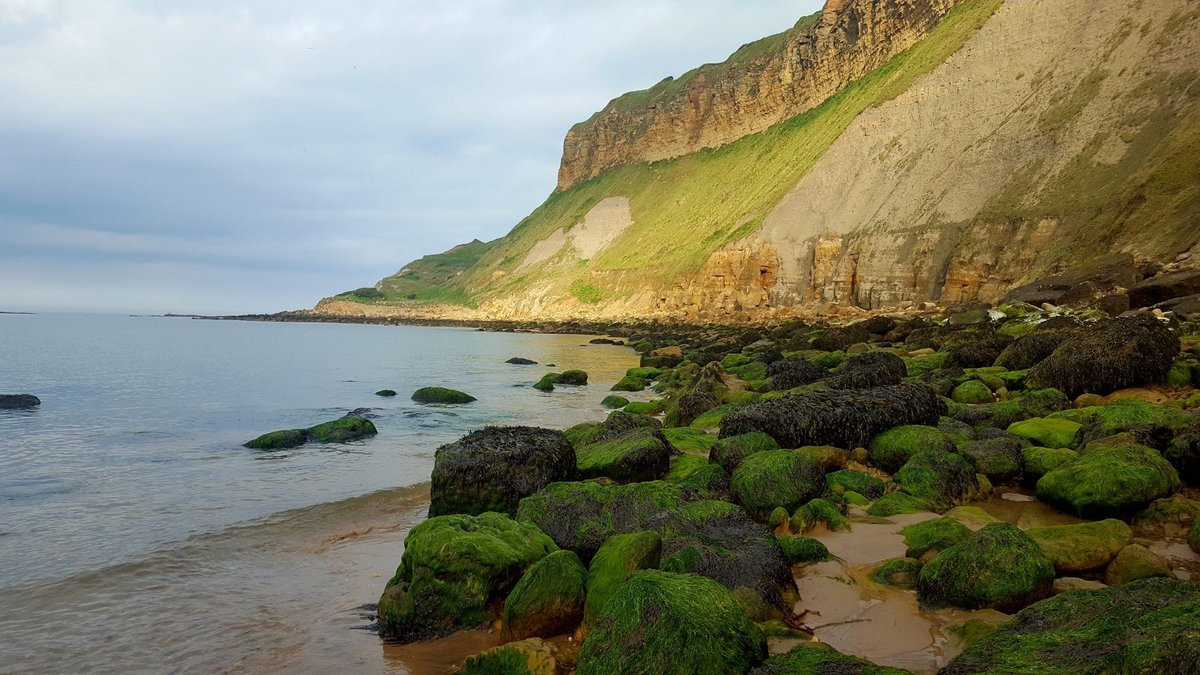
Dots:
(1017, 482)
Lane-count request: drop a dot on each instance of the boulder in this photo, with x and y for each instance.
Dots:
(1030, 350)
(876, 369)
(1040, 461)
(839, 338)
(343, 430)
(820, 658)
(999, 566)
(972, 391)
(614, 401)
(938, 480)
(1047, 432)
(861, 482)
(276, 440)
(572, 377)
(548, 600)
(1084, 547)
(493, 468)
(691, 405)
(546, 384)
(1109, 480)
(797, 549)
(1135, 562)
(1129, 351)
(819, 512)
(18, 401)
(895, 503)
(629, 383)
(996, 454)
(729, 452)
(520, 361)
(1002, 414)
(892, 448)
(453, 569)
(664, 623)
(794, 372)
(580, 516)
(1164, 287)
(640, 454)
(932, 536)
(386, 393)
(1170, 517)
(441, 395)
(618, 557)
(902, 572)
(524, 657)
(772, 478)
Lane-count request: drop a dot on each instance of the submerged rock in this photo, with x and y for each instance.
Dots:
(519, 361)
(999, 566)
(1135, 562)
(277, 440)
(441, 395)
(342, 430)
(18, 401)
(386, 393)
(493, 468)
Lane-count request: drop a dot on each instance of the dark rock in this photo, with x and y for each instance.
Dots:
(794, 372)
(835, 339)
(977, 353)
(517, 360)
(441, 395)
(1113, 304)
(386, 393)
(999, 566)
(1123, 352)
(1031, 349)
(876, 369)
(572, 377)
(1115, 271)
(605, 341)
(18, 401)
(1164, 287)
(1186, 308)
(692, 405)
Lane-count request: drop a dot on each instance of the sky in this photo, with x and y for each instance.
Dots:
(225, 157)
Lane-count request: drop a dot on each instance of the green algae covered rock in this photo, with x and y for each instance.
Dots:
(1135, 562)
(1148, 626)
(664, 623)
(342, 430)
(525, 657)
(441, 395)
(277, 440)
(891, 449)
(547, 382)
(999, 566)
(972, 391)
(934, 535)
(575, 378)
(492, 469)
(629, 383)
(896, 503)
(618, 557)
(1047, 432)
(1109, 480)
(772, 478)
(548, 600)
(940, 480)
(1171, 517)
(646, 407)
(690, 440)
(452, 569)
(583, 433)
(729, 452)
(797, 549)
(902, 572)
(1002, 414)
(819, 658)
(996, 454)
(1083, 547)
(1151, 423)
(1193, 537)
(855, 499)
(819, 512)
(636, 455)
(614, 401)
(1041, 461)
(684, 467)
(861, 482)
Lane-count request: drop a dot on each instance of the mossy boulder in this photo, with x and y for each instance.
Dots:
(729, 452)
(684, 467)
(819, 512)
(933, 536)
(629, 383)
(576, 378)
(820, 659)
(1047, 432)
(996, 454)
(662, 623)
(1170, 517)
(829, 457)
(614, 401)
(1109, 480)
(892, 448)
(277, 440)
(386, 393)
(546, 383)
(1083, 547)
(902, 572)
(1135, 562)
(618, 557)
(1040, 461)
(583, 433)
(343, 430)
(940, 480)
(453, 569)
(1026, 405)
(896, 503)
(690, 441)
(1153, 425)
(1125, 352)
(771, 478)
(1147, 626)
(798, 549)
(972, 391)
(441, 395)
(646, 407)
(524, 657)
(999, 566)
(493, 468)
(640, 454)
(548, 600)
(850, 480)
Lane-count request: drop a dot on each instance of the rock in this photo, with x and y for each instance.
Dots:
(618, 422)
(452, 569)
(605, 341)
(1184, 453)
(276, 440)
(1040, 461)
(818, 657)
(939, 480)
(798, 549)
(819, 512)
(1135, 562)
(386, 393)
(1186, 308)
(1085, 547)
(838, 339)
(999, 566)
(1193, 538)
(646, 407)
(1170, 517)
(546, 384)
(894, 503)
(572, 377)
(1150, 424)
(729, 452)
(1109, 480)
(877, 369)
(1128, 351)
(640, 454)
(618, 557)
(892, 448)
(518, 361)
(614, 401)
(902, 572)
(845, 419)
(548, 600)
(972, 391)
(343, 430)
(1164, 287)
(494, 468)
(1115, 271)
(691, 405)
(628, 383)
(794, 372)
(1145, 627)
(996, 454)
(772, 478)
(971, 516)
(932, 536)
(1068, 584)
(441, 395)
(1047, 433)
(850, 480)
(658, 622)
(18, 401)
(977, 353)
(1002, 414)
(525, 657)
(829, 457)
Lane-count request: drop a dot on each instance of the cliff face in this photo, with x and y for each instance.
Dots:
(763, 84)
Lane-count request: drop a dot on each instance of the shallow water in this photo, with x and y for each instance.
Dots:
(137, 535)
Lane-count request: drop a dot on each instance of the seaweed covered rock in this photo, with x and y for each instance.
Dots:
(876, 369)
(1083, 547)
(980, 352)
(343, 430)
(1129, 351)
(452, 569)
(575, 378)
(493, 468)
(1047, 432)
(902, 572)
(663, 623)
(861, 482)
(939, 480)
(1030, 350)
(640, 454)
(819, 512)
(618, 557)
(820, 659)
(729, 452)
(547, 382)
(1002, 414)
(691, 405)
(1184, 453)
(277, 440)
(618, 422)
(1151, 424)
(972, 391)
(524, 657)
(629, 383)
(996, 454)
(845, 419)
(521, 361)
(839, 338)
(797, 549)
(795, 371)
(999, 566)
(1171, 517)
(1116, 479)
(440, 395)
(892, 448)
(1148, 626)
(386, 393)
(895, 503)
(580, 516)
(772, 478)
(932, 536)
(613, 401)
(548, 600)
(1135, 562)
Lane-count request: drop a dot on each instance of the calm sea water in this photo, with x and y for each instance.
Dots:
(137, 535)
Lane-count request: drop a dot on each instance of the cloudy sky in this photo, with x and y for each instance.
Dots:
(254, 156)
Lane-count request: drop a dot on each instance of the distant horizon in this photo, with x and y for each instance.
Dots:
(232, 159)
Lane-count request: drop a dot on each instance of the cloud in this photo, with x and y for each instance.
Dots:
(323, 141)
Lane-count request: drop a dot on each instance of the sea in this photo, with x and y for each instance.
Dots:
(138, 535)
